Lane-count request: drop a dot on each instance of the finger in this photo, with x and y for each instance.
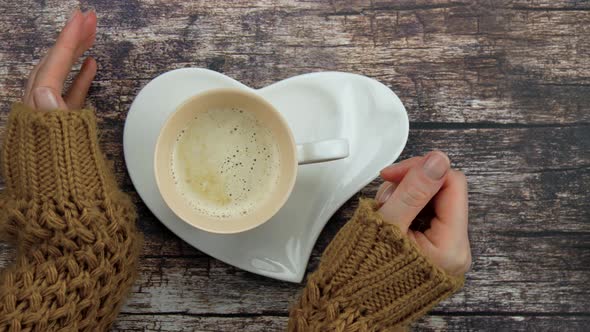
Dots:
(88, 32)
(79, 89)
(451, 204)
(451, 209)
(88, 29)
(28, 98)
(60, 58)
(46, 99)
(384, 192)
(396, 172)
(425, 245)
(419, 185)
(76, 37)
(382, 188)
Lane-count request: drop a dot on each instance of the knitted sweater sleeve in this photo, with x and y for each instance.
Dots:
(74, 231)
(370, 278)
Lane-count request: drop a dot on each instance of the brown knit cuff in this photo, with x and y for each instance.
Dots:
(53, 156)
(75, 234)
(371, 276)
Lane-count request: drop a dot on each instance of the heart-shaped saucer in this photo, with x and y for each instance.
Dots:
(317, 106)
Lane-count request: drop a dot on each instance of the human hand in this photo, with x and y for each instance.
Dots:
(410, 185)
(45, 84)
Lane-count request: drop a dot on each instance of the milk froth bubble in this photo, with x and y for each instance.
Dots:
(225, 162)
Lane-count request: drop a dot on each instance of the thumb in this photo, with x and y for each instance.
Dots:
(46, 99)
(416, 189)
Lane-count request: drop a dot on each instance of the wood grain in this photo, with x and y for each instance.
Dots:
(450, 61)
(502, 86)
(177, 322)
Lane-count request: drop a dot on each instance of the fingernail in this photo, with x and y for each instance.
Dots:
(45, 99)
(386, 194)
(86, 13)
(437, 165)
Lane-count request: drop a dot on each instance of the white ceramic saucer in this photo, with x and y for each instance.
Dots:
(317, 106)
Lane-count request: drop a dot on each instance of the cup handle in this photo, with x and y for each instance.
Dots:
(322, 151)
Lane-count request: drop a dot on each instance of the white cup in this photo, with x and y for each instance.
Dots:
(291, 155)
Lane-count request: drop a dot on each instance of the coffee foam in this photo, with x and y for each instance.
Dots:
(225, 163)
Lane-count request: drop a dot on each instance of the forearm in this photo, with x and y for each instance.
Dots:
(77, 245)
(370, 278)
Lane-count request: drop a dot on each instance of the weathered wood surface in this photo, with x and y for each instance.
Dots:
(432, 322)
(502, 86)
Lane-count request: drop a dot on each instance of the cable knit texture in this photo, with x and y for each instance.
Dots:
(77, 244)
(370, 278)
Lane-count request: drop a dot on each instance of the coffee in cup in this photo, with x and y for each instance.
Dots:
(225, 162)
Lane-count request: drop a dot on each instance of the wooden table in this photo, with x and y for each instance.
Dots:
(502, 86)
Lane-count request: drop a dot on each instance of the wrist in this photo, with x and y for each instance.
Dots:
(52, 156)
